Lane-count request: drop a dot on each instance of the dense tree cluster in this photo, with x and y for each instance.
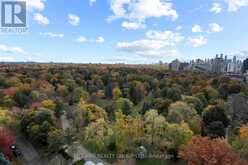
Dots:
(202, 150)
(118, 109)
(40, 128)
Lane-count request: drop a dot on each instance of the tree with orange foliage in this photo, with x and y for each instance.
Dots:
(204, 151)
(243, 132)
(240, 143)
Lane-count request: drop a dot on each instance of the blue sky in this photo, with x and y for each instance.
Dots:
(129, 31)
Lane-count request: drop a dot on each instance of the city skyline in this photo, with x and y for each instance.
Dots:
(219, 65)
(129, 31)
(221, 55)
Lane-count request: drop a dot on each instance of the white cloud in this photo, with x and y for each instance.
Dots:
(179, 28)
(145, 48)
(132, 25)
(52, 35)
(139, 10)
(40, 19)
(143, 9)
(15, 50)
(82, 39)
(141, 45)
(197, 29)
(215, 28)
(234, 5)
(11, 49)
(153, 44)
(243, 54)
(216, 8)
(156, 54)
(168, 37)
(35, 5)
(7, 59)
(197, 41)
(73, 19)
(91, 2)
(100, 40)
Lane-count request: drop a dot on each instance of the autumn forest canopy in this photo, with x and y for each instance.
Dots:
(140, 111)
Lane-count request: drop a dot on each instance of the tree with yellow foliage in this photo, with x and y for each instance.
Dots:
(182, 112)
(162, 135)
(87, 113)
(128, 131)
(98, 134)
(243, 132)
(116, 92)
(240, 144)
(49, 104)
(4, 117)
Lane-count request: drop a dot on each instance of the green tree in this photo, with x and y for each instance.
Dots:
(215, 129)
(211, 94)
(161, 105)
(59, 109)
(223, 90)
(241, 147)
(123, 105)
(7, 101)
(195, 103)
(108, 90)
(21, 99)
(68, 136)
(154, 128)
(128, 131)
(2, 81)
(78, 94)
(98, 134)
(240, 143)
(175, 136)
(173, 94)
(55, 139)
(202, 97)
(181, 111)
(35, 95)
(135, 94)
(234, 87)
(162, 136)
(215, 121)
(35, 134)
(36, 125)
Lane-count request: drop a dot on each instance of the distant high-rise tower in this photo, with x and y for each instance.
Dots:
(234, 59)
(218, 65)
(221, 56)
(245, 66)
(174, 65)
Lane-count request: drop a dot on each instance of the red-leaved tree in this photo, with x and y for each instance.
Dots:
(206, 151)
(6, 139)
